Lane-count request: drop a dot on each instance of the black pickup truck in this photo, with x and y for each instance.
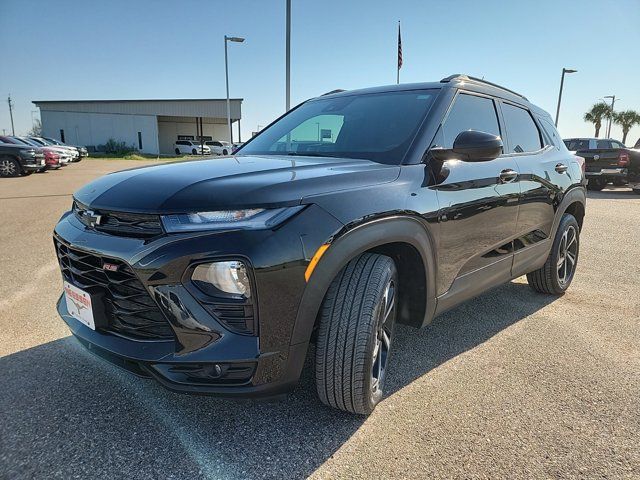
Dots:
(16, 160)
(607, 161)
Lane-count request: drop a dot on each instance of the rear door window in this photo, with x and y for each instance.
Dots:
(522, 130)
(469, 112)
(551, 132)
(603, 144)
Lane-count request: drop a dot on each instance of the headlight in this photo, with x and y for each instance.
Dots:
(227, 277)
(250, 219)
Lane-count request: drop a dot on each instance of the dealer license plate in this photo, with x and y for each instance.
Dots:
(79, 305)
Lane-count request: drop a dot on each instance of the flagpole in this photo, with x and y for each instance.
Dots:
(399, 50)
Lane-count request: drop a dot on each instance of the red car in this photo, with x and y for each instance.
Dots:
(51, 159)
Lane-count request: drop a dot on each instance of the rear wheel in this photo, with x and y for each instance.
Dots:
(177, 151)
(9, 168)
(636, 191)
(556, 274)
(596, 184)
(357, 323)
(225, 152)
(194, 151)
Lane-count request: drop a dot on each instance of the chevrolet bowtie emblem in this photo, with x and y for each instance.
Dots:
(93, 218)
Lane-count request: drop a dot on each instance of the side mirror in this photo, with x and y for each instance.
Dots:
(471, 146)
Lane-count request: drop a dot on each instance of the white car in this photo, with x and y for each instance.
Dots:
(71, 151)
(220, 148)
(190, 147)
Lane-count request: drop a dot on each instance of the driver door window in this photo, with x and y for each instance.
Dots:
(469, 112)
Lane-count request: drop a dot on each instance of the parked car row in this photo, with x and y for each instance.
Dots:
(193, 147)
(607, 161)
(23, 155)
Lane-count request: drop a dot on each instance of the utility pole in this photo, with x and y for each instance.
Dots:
(288, 58)
(13, 130)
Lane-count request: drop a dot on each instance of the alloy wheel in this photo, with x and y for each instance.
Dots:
(7, 168)
(384, 332)
(567, 255)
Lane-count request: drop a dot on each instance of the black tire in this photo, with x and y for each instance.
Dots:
(177, 151)
(619, 182)
(9, 167)
(636, 191)
(225, 152)
(551, 278)
(357, 321)
(194, 152)
(596, 184)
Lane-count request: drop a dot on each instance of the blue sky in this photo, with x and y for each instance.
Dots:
(80, 49)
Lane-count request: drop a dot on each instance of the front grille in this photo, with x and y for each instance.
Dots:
(129, 308)
(125, 224)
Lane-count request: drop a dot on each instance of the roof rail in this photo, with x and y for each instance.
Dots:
(461, 76)
(338, 90)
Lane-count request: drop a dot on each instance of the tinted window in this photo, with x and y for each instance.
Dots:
(376, 126)
(617, 144)
(523, 133)
(469, 112)
(603, 144)
(551, 132)
(574, 144)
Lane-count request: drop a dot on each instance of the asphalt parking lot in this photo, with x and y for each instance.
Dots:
(513, 384)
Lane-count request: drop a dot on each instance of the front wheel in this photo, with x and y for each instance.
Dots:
(177, 151)
(556, 274)
(357, 322)
(9, 168)
(225, 152)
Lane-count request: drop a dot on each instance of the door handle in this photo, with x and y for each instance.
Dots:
(508, 175)
(561, 168)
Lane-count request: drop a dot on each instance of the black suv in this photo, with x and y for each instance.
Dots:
(16, 160)
(350, 212)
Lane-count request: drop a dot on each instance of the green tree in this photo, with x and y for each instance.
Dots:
(598, 112)
(626, 120)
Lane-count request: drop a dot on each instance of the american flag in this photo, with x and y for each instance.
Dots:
(399, 48)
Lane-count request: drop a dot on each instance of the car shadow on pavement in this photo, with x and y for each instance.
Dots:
(65, 414)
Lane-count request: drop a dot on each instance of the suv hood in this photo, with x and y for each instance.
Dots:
(230, 182)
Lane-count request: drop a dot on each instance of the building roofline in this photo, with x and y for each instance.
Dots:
(141, 100)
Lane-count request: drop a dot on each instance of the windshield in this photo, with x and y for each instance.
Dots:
(376, 126)
(29, 142)
(38, 141)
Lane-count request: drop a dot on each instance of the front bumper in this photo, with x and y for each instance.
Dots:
(203, 346)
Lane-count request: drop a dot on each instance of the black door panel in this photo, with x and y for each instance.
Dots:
(478, 214)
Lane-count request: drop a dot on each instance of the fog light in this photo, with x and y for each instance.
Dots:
(227, 277)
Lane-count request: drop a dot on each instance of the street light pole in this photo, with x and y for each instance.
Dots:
(613, 103)
(288, 58)
(226, 72)
(564, 70)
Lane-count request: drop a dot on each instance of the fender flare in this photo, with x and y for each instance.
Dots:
(576, 194)
(350, 243)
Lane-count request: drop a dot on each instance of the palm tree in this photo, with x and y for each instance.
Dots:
(598, 111)
(626, 120)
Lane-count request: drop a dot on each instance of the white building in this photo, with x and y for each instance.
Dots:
(150, 126)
